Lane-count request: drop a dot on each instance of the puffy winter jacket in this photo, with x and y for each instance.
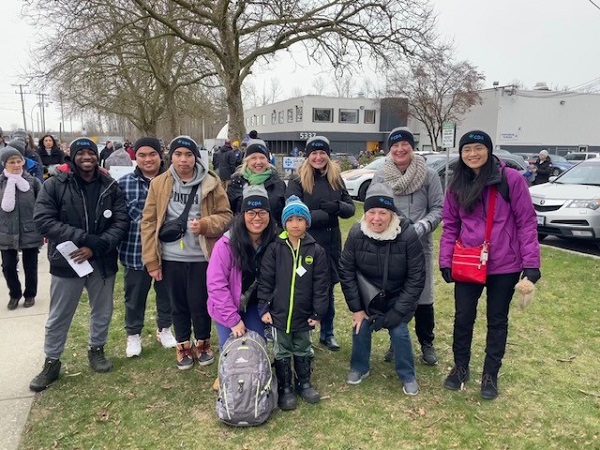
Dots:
(61, 215)
(292, 297)
(406, 266)
(514, 241)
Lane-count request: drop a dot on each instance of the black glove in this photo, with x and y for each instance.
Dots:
(377, 321)
(392, 319)
(330, 207)
(532, 275)
(98, 245)
(447, 274)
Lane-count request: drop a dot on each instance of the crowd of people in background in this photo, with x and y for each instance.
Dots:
(234, 244)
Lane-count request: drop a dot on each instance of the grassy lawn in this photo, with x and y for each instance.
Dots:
(549, 387)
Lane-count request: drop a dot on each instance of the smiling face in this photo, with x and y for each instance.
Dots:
(148, 160)
(14, 165)
(318, 159)
(257, 162)
(86, 160)
(183, 161)
(378, 219)
(402, 154)
(474, 156)
(256, 221)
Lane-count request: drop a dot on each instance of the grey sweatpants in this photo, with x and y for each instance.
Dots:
(64, 298)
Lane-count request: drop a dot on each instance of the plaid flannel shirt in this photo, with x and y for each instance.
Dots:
(135, 187)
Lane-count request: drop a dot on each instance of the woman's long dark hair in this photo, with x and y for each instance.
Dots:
(468, 186)
(41, 147)
(240, 242)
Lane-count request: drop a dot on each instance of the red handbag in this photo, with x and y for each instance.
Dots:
(469, 264)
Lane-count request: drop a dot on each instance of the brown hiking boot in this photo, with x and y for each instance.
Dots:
(185, 359)
(203, 352)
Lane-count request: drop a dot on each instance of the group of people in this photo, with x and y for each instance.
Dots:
(256, 254)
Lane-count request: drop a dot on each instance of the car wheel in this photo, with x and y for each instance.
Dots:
(541, 237)
(362, 192)
(556, 172)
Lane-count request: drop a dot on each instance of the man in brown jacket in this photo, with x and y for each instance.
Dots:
(181, 262)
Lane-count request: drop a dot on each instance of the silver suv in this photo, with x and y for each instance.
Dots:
(581, 156)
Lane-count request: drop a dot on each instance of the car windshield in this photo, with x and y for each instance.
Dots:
(583, 173)
(558, 158)
(376, 164)
(575, 157)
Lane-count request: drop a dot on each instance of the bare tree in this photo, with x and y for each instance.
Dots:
(234, 34)
(438, 90)
(343, 85)
(319, 85)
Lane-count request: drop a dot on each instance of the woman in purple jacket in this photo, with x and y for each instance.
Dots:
(233, 267)
(513, 251)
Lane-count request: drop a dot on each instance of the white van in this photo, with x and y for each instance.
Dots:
(581, 156)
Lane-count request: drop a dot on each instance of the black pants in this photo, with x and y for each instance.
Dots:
(10, 259)
(186, 284)
(424, 324)
(137, 286)
(500, 289)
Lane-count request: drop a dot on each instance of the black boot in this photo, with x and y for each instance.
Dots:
(287, 398)
(47, 376)
(98, 361)
(489, 386)
(302, 366)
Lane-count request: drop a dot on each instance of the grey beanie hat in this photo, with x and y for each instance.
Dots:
(379, 195)
(255, 197)
(9, 152)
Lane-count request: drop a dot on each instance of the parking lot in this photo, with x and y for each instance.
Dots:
(586, 247)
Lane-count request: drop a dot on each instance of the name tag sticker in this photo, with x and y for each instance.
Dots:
(300, 271)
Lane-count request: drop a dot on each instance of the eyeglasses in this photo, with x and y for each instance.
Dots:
(478, 149)
(262, 213)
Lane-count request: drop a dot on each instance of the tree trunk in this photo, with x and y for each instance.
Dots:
(237, 129)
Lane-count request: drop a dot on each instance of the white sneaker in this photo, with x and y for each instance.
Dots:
(134, 345)
(166, 338)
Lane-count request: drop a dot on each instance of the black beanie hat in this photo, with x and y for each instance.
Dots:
(400, 134)
(148, 141)
(257, 146)
(255, 197)
(80, 144)
(253, 134)
(379, 196)
(184, 141)
(475, 136)
(317, 143)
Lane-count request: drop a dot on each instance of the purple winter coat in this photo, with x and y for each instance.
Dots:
(514, 241)
(224, 284)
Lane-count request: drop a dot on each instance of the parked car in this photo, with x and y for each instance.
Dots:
(358, 180)
(581, 156)
(350, 159)
(569, 205)
(559, 163)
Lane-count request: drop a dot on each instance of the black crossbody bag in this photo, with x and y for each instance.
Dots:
(173, 230)
(373, 298)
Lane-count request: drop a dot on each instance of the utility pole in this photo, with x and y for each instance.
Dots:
(22, 104)
(43, 112)
(62, 117)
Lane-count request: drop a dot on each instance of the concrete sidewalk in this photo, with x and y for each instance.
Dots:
(21, 354)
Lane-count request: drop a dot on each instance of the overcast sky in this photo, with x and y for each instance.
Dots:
(554, 41)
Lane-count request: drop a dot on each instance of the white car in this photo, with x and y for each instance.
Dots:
(358, 180)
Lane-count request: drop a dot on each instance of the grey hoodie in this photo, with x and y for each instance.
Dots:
(188, 249)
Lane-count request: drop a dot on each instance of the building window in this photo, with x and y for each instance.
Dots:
(247, 121)
(369, 116)
(263, 120)
(274, 118)
(252, 121)
(322, 115)
(290, 115)
(280, 116)
(298, 113)
(348, 115)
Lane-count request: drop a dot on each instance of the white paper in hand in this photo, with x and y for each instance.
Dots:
(81, 269)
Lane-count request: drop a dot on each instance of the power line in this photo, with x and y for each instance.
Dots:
(594, 4)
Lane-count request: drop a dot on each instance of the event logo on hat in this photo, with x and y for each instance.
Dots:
(386, 201)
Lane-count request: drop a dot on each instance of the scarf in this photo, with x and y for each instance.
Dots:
(408, 182)
(257, 178)
(13, 182)
(389, 234)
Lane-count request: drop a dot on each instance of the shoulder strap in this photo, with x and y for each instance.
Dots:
(385, 266)
(188, 204)
(490, 215)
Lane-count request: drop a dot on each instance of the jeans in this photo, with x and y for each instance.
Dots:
(251, 320)
(137, 286)
(327, 321)
(10, 259)
(404, 360)
(500, 289)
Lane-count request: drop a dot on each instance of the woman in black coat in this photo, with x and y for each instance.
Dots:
(50, 154)
(320, 186)
(382, 239)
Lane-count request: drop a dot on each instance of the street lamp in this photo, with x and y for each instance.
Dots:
(32, 121)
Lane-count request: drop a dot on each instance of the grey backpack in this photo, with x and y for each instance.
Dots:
(248, 390)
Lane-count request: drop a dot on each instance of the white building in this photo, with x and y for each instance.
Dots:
(351, 124)
(531, 120)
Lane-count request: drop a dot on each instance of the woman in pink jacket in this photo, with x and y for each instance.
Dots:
(513, 252)
(233, 267)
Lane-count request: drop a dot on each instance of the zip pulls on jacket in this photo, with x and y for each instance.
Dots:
(297, 260)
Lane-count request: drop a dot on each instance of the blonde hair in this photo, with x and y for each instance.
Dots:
(307, 176)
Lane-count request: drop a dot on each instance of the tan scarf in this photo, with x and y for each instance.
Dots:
(407, 182)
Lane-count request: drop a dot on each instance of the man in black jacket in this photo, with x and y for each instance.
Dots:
(226, 163)
(83, 205)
